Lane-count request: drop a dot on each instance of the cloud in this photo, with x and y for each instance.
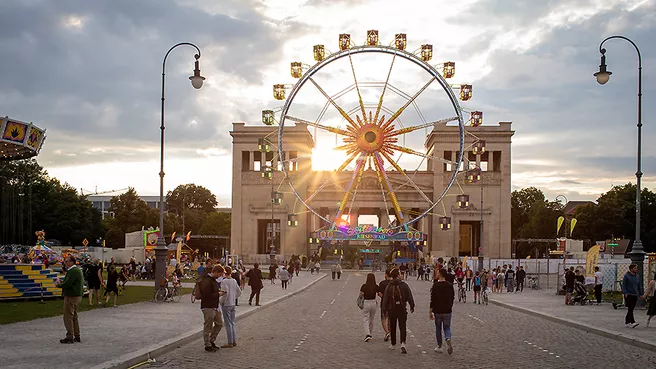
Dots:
(89, 72)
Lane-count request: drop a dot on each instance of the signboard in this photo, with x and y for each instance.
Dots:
(150, 237)
(85, 242)
(370, 251)
(368, 233)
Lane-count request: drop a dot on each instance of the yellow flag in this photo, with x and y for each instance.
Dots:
(188, 236)
(464, 262)
(571, 227)
(528, 257)
(172, 237)
(560, 223)
(178, 251)
(591, 260)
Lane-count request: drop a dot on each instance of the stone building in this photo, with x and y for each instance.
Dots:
(481, 228)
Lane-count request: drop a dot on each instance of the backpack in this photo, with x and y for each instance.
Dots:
(396, 301)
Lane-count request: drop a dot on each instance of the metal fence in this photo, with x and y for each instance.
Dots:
(549, 273)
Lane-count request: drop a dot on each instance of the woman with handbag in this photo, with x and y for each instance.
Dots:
(649, 297)
(367, 302)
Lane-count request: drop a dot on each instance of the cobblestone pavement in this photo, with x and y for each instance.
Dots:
(322, 328)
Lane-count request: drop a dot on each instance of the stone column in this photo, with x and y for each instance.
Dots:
(251, 163)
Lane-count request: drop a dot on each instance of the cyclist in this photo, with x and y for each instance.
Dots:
(477, 287)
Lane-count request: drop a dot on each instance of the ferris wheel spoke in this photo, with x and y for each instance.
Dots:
(408, 150)
(409, 180)
(320, 126)
(382, 95)
(378, 161)
(330, 99)
(357, 88)
(355, 178)
(401, 109)
(420, 126)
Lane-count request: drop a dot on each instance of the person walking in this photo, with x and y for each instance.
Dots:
(368, 291)
(397, 295)
(94, 278)
(339, 271)
(599, 284)
(510, 278)
(477, 287)
(209, 305)
(272, 273)
(72, 288)
(112, 285)
(231, 293)
(255, 282)
(420, 272)
(384, 318)
(468, 278)
(521, 276)
(570, 277)
(441, 307)
(649, 297)
(284, 277)
(631, 290)
(333, 270)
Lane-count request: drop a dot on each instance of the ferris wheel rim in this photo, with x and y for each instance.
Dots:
(391, 51)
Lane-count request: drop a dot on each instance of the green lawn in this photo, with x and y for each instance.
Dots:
(19, 311)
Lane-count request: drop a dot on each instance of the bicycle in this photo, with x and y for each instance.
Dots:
(167, 293)
(484, 296)
(533, 282)
(462, 294)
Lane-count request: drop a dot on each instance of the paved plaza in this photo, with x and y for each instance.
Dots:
(322, 328)
(316, 324)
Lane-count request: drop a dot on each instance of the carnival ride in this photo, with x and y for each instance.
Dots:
(376, 146)
(19, 140)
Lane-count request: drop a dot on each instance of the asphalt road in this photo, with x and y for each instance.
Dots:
(322, 328)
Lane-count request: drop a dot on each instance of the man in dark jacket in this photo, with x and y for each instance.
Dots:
(255, 281)
(397, 295)
(521, 275)
(209, 305)
(441, 306)
(631, 289)
(72, 289)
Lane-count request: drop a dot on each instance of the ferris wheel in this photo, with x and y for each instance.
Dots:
(372, 105)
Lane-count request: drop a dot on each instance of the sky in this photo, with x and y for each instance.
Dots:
(89, 72)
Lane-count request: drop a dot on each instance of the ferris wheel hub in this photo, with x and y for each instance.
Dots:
(370, 138)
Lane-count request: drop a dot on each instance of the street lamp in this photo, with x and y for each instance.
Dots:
(161, 249)
(637, 253)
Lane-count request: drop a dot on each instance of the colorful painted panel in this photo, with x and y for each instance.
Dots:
(33, 139)
(14, 131)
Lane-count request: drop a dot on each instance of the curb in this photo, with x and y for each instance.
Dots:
(582, 326)
(146, 354)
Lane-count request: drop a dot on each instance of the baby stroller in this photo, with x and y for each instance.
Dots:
(580, 294)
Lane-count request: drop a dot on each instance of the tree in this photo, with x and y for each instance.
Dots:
(217, 224)
(614, 215)
(131, 213)
(190, 196)
(532, 216)
(30, 200)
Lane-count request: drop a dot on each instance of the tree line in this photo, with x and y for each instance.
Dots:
(31, 200)
(612, 215)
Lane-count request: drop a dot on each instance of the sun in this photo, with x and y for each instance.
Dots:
(327, 158)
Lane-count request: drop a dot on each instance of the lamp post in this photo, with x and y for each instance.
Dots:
(161, 249)
(637, 253)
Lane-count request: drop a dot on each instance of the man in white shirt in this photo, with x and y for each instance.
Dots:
(599, 283)
(173, 262)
